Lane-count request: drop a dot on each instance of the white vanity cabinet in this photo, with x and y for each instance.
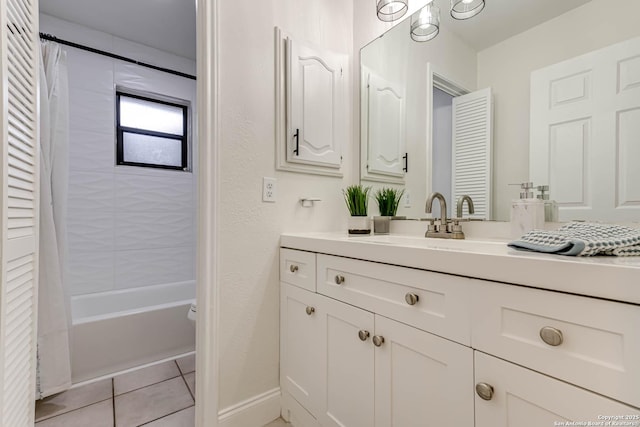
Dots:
(372, 344)
(347, 366)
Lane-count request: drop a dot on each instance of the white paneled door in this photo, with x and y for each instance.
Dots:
(317, 105)
(585, 122)
(471, 150)
(19, 58)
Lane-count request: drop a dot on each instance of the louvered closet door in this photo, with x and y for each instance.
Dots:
(471, 150)
(18, 203)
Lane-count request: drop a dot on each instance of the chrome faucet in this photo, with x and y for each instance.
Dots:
(438, 227)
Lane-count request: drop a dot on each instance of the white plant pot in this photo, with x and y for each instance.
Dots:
(359, 225)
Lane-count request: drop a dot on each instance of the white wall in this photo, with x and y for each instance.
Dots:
(127, 226)
(249, 229)
(507, 66)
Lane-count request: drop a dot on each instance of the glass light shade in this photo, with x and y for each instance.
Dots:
(465, 9)
(390, 10)
(425, 24)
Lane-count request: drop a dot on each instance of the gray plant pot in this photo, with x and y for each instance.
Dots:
(382, 224)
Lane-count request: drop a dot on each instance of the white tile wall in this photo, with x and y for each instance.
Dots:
(90, 110)
(90, 271)
(91, 150)
(127, 226)
(142, 230)
(135, 77)
(90, 71)
(152, 266)
(147, 193)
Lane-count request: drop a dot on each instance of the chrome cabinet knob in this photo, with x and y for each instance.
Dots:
(363, 335)
(339, 279)
(378, 340)
(310, 310)
(484, 390)
(411, 298)
(293, 268)
(551, 336)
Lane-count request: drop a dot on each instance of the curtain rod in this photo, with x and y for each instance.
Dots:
(45, 36)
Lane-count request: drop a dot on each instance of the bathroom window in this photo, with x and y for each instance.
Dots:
(152, 131)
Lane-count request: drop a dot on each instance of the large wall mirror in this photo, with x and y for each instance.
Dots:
(545, 91)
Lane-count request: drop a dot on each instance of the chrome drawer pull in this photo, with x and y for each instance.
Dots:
(310, 310)
(363, 335)
(551, 336)
(293, 268)
(339, 279)
(484, 390)
(411, 298)
(378, 340)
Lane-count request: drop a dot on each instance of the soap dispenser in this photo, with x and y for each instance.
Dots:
(550, 206)
(527, 213)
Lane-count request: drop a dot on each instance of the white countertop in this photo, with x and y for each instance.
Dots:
(614, 278)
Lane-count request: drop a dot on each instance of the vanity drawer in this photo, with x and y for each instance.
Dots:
(589, 342)
(298, 268)
(433, 302)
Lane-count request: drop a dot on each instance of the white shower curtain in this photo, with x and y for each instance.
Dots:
(54, 366)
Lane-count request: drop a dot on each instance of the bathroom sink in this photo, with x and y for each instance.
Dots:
(465, 245)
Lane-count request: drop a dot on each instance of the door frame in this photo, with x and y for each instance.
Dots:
(439, 81)
(207, 253)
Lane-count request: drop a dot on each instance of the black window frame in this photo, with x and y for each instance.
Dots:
(120, 130)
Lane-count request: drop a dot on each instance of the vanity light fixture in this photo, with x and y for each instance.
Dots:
(426, 24)
(465, 9)
(390, 10)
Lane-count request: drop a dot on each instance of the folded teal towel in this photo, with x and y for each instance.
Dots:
(583, 239)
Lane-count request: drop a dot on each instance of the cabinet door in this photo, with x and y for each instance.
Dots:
(316, 110)
(524, 398)
(300, 347)
(421, 380)
(383, 127)
(347, 394)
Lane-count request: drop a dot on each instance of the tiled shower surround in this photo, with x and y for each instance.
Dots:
(127, 226)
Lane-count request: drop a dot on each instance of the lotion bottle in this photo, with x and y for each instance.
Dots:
(550, 206)
(527, 213)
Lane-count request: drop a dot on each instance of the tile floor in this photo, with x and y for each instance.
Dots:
(158, 396)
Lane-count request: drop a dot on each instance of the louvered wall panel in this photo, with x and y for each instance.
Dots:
(472, 150)
(19, 169)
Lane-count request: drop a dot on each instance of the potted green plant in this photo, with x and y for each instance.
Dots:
(357, 199)
(388, 200)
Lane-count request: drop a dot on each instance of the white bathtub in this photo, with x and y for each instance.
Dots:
(119, 330)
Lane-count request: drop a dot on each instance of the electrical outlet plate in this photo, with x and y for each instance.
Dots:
(268, 189)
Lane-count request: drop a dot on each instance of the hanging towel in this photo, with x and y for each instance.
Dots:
(583, 239)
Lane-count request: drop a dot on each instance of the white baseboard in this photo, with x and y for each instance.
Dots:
(253, 412)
